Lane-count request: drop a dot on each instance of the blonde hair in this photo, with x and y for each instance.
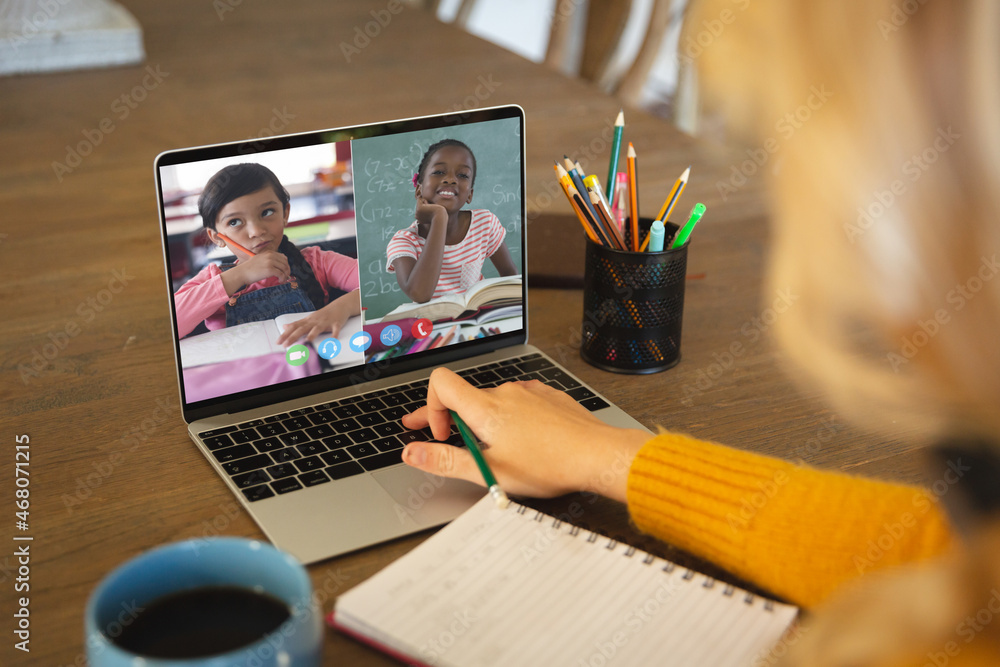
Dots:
(885, 205)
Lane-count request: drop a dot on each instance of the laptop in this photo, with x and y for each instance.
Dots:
(308, 436)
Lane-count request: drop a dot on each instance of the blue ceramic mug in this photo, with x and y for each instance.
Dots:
(187, 570)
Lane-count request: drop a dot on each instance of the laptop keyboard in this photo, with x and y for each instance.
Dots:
(330, 441)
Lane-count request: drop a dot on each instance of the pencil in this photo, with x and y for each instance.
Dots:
(674, 195)
(422, 344)
(633, 198)
(616, 147)
(605, 219)
(236, 245)
(594, 185)
(499, 497)
(613, 229)
(568, 188)
(576, 174)
(433, 342)
(576, 201)
(448, 336)
(592, 221)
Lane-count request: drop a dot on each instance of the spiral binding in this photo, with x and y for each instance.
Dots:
(707, 582)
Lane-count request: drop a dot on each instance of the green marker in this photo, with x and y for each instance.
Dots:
(685, 232)
(499, 497)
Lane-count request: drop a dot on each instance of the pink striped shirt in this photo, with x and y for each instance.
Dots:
(462, 264)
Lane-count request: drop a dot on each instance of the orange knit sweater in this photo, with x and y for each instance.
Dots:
(793, 530)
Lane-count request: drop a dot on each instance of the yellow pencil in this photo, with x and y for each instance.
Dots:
(674, 195)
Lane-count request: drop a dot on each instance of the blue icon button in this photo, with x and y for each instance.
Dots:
(360, 341)
(329, 348)
(391, 335)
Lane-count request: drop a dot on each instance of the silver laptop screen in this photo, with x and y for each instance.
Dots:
(305, 262)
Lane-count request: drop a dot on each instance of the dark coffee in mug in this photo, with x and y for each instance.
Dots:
(201, 622)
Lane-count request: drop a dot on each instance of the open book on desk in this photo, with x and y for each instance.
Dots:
(518, 587)
(255, 339)
(486, 294)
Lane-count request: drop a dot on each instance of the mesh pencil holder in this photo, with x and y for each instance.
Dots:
(633, 304)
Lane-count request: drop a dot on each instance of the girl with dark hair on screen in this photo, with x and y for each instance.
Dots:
(245, 208)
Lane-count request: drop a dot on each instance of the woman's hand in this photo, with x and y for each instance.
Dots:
(329, 319)
(538, 440)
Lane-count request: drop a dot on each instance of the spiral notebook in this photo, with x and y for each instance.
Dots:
(518, 587)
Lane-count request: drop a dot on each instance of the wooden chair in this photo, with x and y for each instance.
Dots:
(586, 46)
(603, 30)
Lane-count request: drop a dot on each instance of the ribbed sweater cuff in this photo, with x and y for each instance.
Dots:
(698, 495)
(796, 531)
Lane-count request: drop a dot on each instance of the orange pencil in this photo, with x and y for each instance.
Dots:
(633, 198)
(233, 244)
(576, 202)
(445, 339)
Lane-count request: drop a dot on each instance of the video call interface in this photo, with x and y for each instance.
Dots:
(330, 236)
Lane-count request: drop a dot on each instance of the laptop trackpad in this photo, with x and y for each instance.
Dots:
(428, 499)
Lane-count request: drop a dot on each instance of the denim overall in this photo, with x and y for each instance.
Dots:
(267, 303)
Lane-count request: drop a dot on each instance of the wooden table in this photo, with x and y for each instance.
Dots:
(87, 363)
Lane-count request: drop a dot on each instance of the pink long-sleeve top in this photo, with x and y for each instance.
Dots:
(203, 298)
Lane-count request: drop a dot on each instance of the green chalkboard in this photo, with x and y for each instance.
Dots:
(384, 202)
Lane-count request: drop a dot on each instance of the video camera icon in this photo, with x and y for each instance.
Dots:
(297, 355)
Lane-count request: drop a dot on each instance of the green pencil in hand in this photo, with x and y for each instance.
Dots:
(499, 497)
